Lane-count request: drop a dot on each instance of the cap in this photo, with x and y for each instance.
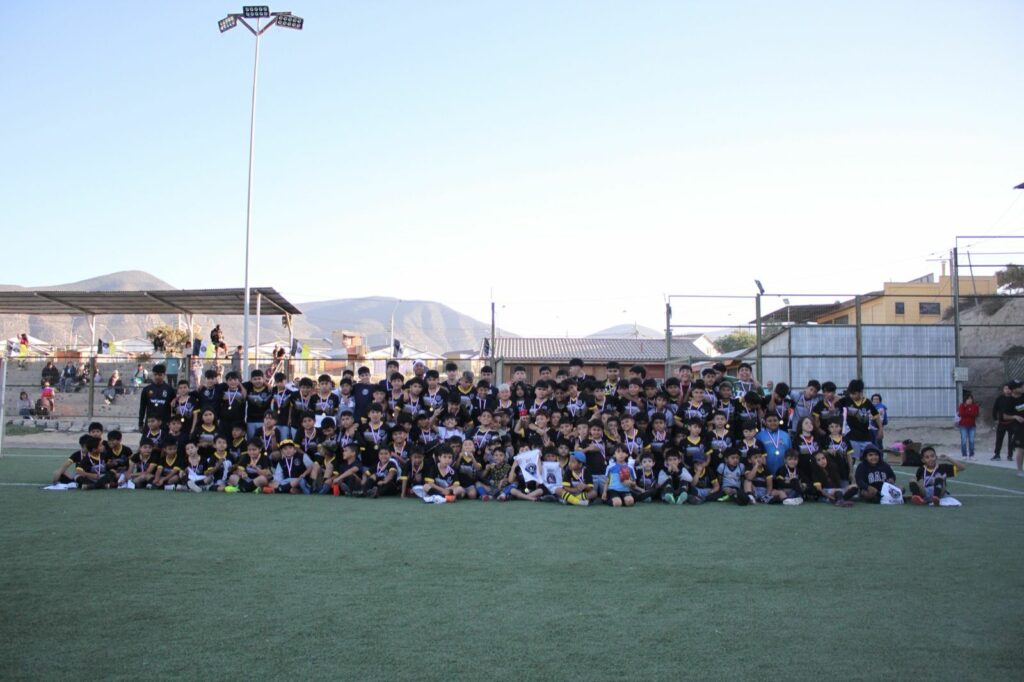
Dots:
(286, 441)
(700, 457)
(418, 363)
(870, 448)
(1015, 384)
(579, 456)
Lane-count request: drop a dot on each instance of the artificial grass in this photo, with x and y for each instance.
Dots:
(158, 584)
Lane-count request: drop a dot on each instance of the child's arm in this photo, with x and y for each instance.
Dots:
(957, 466)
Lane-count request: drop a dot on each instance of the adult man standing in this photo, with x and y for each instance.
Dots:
(155, 400)
(1000, 417)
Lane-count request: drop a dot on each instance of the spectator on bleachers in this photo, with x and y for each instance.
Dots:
(50, 374)
(115, 387)
(46, 399)
(25, 405)
(67, 378)
(140, 378)
(196, 372)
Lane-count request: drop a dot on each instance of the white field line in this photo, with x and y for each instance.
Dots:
(958, 482)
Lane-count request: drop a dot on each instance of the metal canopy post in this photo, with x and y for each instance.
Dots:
(757, 314)
(92, 366)
(955, 282)
(668, 336)
(859, 338)
(4, 361)
(259, 320)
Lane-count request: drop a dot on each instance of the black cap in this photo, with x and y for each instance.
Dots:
(1015, 384)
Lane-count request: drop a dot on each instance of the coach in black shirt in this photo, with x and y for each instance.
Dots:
(155, 399)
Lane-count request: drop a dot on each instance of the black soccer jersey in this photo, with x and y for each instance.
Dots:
(232, 409)
(859, 416)
(257, 402)
(155, 401)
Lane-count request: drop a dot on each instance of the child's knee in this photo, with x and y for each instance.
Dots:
(629, 501)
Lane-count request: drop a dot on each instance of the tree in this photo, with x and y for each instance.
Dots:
(1012, 278)
(737, 340)
(174, 339)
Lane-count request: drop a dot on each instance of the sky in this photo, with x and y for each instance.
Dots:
(574, 161)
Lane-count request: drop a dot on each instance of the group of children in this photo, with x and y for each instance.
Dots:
(618, 441)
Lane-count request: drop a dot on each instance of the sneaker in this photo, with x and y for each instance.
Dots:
(917, 499)
(169, 486)
(724, 498)
(268, 489)
(130, 485)
(844, 504)
(793, 501)
(449, 498)
(752, 499)
(485, 498)
(583, 503)
(182, 487)
(935, 501)
(995, 458)
(681, 498)
(1019, 473)
(336, 490)
(231, 488)
(73, 485)
(668, 498)
(502, 498)
(193, 487)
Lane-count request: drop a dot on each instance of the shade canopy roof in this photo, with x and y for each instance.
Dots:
(162, 302)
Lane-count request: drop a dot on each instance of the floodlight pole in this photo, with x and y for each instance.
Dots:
(227, 24)
(248, 202)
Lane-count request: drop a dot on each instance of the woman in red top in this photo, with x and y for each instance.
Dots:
(967, 416)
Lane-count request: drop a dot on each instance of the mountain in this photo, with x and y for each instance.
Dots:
(628, 331)
(425, 325)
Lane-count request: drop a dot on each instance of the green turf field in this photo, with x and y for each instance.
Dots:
(136, 584)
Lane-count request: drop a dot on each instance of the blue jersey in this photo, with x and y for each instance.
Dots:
(775, 446)
(615, 479)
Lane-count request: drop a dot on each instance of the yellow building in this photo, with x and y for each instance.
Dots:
(919, 301)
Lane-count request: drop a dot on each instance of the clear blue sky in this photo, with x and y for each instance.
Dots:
(581, 159)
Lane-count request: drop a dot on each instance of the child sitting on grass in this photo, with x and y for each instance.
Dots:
(704, 483)
(252, 472)
(577, 484)
(929, 484)
(440, 486)
(621, 479)
(827, 484)
(674, 479)
(872, 473)
(789, 483)
(730, 472)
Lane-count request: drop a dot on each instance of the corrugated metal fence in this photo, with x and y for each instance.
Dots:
(910, 366)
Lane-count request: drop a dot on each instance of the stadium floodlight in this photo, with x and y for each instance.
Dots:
(759, 287)
(289, 21)
(285, 19)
